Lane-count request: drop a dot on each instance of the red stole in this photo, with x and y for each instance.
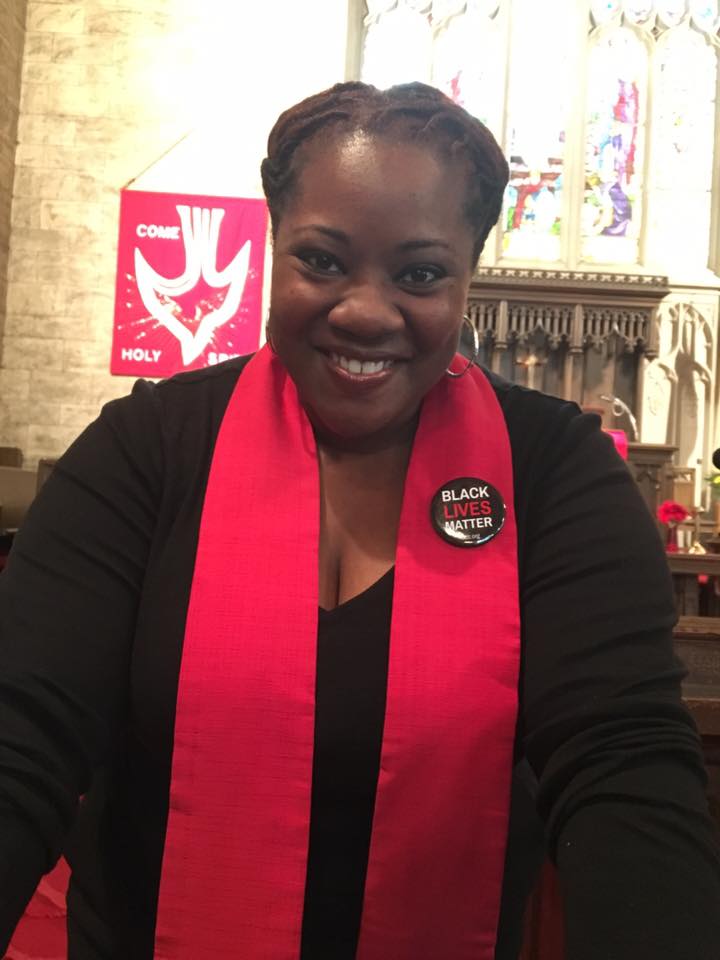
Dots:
(234, 866)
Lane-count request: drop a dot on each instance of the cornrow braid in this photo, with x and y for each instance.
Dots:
(412, 111)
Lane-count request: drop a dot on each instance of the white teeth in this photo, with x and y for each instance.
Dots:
(360, 366)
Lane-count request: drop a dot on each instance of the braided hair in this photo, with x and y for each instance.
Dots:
(414, 112)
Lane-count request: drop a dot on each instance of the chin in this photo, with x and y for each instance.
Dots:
(361, 433)
(344, 430)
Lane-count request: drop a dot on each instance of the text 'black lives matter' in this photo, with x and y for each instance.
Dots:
(467, 512)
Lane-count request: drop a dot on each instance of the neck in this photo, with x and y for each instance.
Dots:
(382, 444)
(378, 463)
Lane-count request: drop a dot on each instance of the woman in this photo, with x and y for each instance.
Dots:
(272, 618)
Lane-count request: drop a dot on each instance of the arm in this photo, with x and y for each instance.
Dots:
(68, 601)
(621, 781)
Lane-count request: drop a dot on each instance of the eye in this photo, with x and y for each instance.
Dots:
(320, 262)
(421, 275)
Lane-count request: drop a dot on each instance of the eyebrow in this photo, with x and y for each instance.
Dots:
(407, 247)
(421, 244)
(327, 231)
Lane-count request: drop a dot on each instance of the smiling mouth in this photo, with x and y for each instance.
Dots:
(360, 368)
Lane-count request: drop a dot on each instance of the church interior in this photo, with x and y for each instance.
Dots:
(600, 283)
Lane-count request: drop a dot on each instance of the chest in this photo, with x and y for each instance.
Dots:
(359, 520)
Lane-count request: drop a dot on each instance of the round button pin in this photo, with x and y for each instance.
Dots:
(467, 512)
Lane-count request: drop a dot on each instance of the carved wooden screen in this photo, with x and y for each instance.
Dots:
(585, 337)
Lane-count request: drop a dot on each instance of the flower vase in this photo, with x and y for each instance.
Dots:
(671, 544)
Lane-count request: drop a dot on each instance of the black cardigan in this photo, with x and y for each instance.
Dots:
(92, 613)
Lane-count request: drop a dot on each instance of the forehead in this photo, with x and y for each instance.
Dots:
(380, 180)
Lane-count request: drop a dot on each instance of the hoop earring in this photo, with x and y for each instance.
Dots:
(269, 339)
(476, 349)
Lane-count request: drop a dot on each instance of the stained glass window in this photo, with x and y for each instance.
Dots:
(682, 148)
(538, 102)
(459, 46)
(454, 43)
(469, 66)
(377, 7)
(614, 147)
(398, 46)
(486, 8)
(672, 12)
(705, 14)
(604, 10)
(587, 185)
(638, 11)
(444, 9)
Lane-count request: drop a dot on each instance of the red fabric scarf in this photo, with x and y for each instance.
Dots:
(235, 858)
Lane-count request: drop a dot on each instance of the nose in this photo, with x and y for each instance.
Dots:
(367, 311)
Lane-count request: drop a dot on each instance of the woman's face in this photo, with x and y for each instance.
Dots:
(371, 269)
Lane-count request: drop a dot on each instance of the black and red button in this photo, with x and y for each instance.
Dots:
(467, 512)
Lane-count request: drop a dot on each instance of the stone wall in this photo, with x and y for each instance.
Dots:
(107, 87)
(12, 39)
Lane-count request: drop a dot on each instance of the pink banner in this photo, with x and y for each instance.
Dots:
(189, 281)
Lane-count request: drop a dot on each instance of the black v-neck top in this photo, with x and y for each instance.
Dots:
(93, 603)
(352, 667)
(352, 670)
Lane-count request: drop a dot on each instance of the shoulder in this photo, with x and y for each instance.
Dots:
(218, 378)
(566, 470)
(159, 433)
(544, 430)
(191, 387)
(187, 404)
(521, 405)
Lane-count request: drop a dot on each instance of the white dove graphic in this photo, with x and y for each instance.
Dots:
(200, 229)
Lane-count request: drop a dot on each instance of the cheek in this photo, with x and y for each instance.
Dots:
(441, 331)
(288, 307)
(439, 319)
(292, 297)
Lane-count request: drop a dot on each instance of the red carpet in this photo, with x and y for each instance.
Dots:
(41, 932)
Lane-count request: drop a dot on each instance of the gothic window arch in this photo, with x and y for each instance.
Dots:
(607, 110)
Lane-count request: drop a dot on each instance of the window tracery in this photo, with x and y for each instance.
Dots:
(606, 109)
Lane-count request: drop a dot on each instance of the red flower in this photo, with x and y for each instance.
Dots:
(671, 512)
